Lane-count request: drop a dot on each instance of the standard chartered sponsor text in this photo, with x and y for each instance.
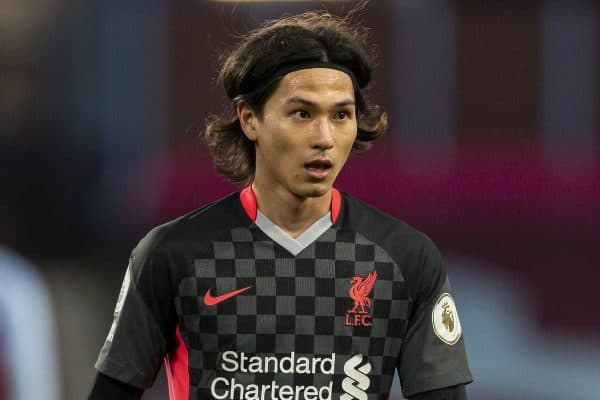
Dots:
(292, 364)
(223, 388)
(230, 390)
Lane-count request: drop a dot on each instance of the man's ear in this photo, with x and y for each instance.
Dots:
(248, 120)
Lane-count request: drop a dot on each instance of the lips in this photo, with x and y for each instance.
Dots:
(318, 168)
(321, 163)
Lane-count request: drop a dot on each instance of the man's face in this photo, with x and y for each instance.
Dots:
(306, 133)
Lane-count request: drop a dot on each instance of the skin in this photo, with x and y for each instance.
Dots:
(310, 116)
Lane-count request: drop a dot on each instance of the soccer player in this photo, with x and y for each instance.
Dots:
(288, 289)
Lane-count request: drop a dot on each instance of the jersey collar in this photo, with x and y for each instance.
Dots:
(248, 199)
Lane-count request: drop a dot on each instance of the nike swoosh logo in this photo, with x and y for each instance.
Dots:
(211, 300)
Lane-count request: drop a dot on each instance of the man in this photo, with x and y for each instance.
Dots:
(288, 289)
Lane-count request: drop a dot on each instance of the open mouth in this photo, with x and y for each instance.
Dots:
(318, 168)
(318, 165)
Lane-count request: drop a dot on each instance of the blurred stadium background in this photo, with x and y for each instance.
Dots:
(494, 151)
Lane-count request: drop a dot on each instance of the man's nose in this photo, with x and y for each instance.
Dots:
(323, 135)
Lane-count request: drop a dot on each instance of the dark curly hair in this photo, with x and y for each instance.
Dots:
(247, 75)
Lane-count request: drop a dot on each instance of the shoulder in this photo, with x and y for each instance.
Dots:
(383, 229)
(193, 228)
(414, 254)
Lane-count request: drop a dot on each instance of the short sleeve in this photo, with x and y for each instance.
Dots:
(143, 317)
(433, 353)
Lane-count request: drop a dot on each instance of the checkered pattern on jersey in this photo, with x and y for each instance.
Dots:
(296, 304)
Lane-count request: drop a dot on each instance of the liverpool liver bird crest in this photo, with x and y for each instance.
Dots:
(360, 289)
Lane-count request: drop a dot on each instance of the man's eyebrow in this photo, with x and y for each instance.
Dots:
(345, 103)
(300, 100)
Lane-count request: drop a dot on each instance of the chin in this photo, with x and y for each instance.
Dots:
(314, 190)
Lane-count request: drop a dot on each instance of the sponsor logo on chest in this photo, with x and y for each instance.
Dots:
(355, 383)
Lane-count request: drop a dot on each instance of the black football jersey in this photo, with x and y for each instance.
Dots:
(238, 309)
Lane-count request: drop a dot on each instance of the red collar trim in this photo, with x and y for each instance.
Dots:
(336, 204)
(248, 200)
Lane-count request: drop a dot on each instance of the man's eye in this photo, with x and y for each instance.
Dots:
(302, 114)
(342, 115)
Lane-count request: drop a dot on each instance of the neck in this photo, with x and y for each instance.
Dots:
(291, 213)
